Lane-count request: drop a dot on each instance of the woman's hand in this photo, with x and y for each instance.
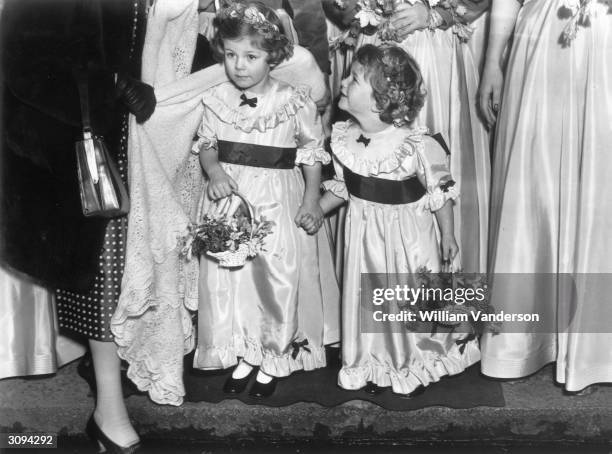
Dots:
(449, 247)
(309, 216)
(489, 93)
(409, 18)
(220, 184)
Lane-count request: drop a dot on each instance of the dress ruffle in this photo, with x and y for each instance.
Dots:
(434, 200)
(381, 164)
(336, 187)
(407, 380)
(298, 99)
(310, 156)
(203, 143)
(251, 351)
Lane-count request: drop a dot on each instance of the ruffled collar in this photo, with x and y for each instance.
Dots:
(289, 101)
(351, 154)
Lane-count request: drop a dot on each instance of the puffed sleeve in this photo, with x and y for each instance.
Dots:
(207, 138)
(434, 173)
(309, 136)
(336, 185)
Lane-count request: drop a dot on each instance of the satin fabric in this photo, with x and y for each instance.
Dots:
(276, 299)
(391, 239)
(29, 327)
(451, 77)
(551, 201)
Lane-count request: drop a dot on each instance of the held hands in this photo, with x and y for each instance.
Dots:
(220, 184)
(409, 18)
(309, 216)
(489, 93)
(449, 248)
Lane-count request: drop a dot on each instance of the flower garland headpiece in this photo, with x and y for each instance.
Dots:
(252, 16)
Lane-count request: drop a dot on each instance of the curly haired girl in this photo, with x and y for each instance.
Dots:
(264, 138)
(397, 183)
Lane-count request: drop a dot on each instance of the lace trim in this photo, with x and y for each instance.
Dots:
(384, 164)
(407, 380)
(310, 156)
(299, 98)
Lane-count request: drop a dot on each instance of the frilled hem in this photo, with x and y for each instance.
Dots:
(338, 188)
(299, 98)
(407, 380)
(310, 156)
(372, 167)
(252, 352)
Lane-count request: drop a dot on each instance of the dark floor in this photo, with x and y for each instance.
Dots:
(537, 418)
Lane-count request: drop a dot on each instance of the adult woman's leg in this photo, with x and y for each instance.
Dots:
(111, 413)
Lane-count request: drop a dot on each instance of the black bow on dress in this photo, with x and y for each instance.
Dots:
(251, 102)
(364, 140)
(297, 345)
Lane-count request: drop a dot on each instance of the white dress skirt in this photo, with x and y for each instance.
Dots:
(392, 239)
(551, 204)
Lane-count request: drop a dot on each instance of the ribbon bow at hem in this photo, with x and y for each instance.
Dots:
(297, 346)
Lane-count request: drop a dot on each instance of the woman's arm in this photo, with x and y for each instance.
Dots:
(503, 19)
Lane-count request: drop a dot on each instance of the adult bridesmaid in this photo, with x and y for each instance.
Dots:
(551, 194)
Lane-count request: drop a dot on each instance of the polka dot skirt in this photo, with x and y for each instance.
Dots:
(88, 314)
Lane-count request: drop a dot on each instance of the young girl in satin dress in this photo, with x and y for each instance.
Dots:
(397, 183)
(263, 138)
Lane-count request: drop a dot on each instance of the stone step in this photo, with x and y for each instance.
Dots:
(537, 412)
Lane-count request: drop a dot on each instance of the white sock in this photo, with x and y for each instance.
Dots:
(264, 378)
(242, 370)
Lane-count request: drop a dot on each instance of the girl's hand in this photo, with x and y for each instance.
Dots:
(489, 93)
(220, 184)
(409, 18)
(309, 216)
(449, 247)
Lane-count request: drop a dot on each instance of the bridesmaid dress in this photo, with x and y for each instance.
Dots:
(551, 203)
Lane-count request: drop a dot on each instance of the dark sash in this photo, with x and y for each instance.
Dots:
(378, 190)
(248, 154)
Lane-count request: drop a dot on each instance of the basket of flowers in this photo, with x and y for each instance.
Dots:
(229, 233)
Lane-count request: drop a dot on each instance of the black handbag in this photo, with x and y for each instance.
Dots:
(102, 191)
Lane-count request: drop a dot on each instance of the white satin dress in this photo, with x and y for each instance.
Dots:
(279, 299)
(551, 197)
(390, 239)
(451, 77)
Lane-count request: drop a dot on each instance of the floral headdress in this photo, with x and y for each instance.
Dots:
(252, 16)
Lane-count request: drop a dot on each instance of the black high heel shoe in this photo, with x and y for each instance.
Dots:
(237, 385)
(261, 390)
(107, 445)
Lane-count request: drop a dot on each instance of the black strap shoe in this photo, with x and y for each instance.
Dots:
(262, 390)
(237, 385)
(373, 389)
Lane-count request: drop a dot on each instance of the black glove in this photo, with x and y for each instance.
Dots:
(137, 96)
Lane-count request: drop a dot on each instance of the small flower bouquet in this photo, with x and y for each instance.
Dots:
(229, 238)
(448, 295)
(374, 17)
(579, 13)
